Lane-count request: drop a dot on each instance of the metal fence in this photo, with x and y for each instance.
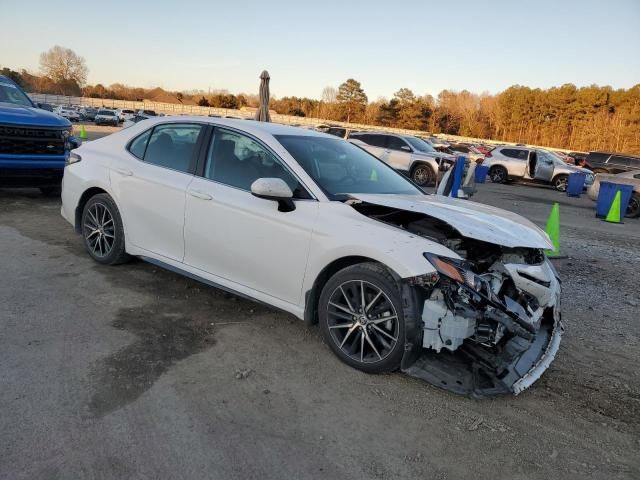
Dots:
(181, 109)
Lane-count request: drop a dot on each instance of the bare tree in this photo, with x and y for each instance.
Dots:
(63, 65)
(329, 94)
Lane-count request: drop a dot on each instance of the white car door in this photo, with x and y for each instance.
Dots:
(244, 239)
(150, 182)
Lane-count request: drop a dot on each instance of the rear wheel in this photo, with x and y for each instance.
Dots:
(498, 174)
(633, 209)
(423, 175)
(361, 318)
(102, 230)
(560, 183)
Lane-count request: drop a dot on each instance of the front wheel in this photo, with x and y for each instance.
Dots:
(423, 175)
(560, 183)
(361, 318)
(102, 230)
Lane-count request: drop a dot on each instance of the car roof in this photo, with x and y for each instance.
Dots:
(250, 126)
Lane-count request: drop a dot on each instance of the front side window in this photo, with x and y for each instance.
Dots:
(238, 161)
(173, 146)
(341, 168)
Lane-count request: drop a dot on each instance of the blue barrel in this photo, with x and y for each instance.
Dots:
(481, 173)
(576, 184)
(606, 195)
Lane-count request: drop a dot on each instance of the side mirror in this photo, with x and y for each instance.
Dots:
(274, 189)
(405, 148)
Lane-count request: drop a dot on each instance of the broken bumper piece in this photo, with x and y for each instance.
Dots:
(474, 372)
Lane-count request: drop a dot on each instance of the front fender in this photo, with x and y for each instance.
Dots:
(343, 232)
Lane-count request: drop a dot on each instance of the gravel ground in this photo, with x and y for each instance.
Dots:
(135, 372)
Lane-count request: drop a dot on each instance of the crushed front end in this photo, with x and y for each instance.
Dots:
(490, 323)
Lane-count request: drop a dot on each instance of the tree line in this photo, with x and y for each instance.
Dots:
(586, 118)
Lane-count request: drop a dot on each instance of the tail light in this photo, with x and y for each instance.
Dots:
(488, 155)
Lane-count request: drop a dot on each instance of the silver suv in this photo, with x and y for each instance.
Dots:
(411, 156)
(531, 164)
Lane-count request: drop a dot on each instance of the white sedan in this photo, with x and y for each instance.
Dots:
(456, 293)
(67, 112)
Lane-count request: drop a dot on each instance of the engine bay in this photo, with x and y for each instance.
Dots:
(489, 329)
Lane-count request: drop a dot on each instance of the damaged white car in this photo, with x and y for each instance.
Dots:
(456, 293)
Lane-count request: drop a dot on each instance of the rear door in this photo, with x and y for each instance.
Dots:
(515, 160)
(398, 153)
(150, 186)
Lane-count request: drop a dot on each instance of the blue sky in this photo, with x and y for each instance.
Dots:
(426, 46)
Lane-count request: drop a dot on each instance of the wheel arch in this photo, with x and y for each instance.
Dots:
(312, 295)
(84, 198)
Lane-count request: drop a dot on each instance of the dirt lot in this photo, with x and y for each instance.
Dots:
(134, 372)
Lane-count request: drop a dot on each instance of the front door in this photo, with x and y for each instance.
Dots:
(150, 185)
(544, 166)
(241, 238)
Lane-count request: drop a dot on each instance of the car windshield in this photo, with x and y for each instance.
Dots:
(420, 145)
(9, 93)
(106, 112)
(341, 168)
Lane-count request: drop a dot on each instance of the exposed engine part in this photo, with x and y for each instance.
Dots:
(444, 328)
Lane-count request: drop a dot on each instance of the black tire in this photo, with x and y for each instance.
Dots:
(423, 175)
(51, 191)
(560, 182)
(498, 174)
(383, 322)
(103, 237)
(633, 209)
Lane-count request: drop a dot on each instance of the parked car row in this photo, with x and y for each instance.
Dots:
(101, 116)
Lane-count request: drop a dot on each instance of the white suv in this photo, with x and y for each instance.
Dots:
(412, 156)
(531, 164)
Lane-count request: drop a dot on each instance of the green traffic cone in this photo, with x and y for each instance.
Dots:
(614, 211)
(553, 230)
(83, 133)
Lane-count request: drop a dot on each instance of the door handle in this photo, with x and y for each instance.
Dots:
(123, 171)
(200, 195)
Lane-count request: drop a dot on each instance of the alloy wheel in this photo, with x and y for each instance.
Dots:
(99, 230)
(362, 321)
(561, 184)
(497, 175)
(422, 175)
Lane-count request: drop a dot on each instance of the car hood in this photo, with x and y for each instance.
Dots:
(30, 116)
(473, 220)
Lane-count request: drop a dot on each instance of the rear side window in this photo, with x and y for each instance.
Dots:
(395, 143)
(173, 146)
(139, 144)
(515, 153)
(596, 158)
(374, 140)
(622, 161)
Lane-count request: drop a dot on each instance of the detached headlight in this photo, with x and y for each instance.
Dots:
(455, 270)
(72, 158)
